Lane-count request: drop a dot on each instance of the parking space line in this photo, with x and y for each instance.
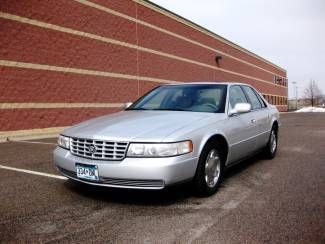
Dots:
(35, 142)
(33, 172)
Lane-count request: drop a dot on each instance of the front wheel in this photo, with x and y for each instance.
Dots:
(272, 145)
(210, 170)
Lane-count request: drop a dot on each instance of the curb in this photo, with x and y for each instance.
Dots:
(18, 135)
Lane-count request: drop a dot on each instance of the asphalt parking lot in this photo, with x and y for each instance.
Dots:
(260, 201)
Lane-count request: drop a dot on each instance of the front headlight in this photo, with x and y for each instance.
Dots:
(64, 141)
(159, 149)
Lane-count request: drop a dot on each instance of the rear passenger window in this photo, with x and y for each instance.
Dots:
(255, 102)
(236, 95)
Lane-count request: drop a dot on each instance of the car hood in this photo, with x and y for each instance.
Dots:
(142, 126)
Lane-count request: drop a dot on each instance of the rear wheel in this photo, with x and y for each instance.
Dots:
(272, 145)
(210, 170)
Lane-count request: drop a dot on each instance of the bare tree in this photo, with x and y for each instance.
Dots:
(312, 93)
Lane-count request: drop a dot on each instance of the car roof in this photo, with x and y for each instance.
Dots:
(209, 83)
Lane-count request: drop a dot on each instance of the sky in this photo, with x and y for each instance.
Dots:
(289, 33)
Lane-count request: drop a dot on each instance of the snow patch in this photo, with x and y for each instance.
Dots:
(310, 110)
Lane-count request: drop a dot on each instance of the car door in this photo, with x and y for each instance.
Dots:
(266, 122)
(260, 114)
(241, 128)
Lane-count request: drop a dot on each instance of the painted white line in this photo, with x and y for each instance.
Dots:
(33, 172)
(34, 142)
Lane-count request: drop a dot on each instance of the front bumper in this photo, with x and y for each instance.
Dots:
(141, 173)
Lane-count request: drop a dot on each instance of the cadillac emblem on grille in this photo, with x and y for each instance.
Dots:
(92, 149)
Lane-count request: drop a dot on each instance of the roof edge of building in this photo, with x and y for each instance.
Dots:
(167, 12)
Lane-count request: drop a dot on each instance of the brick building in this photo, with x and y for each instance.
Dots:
(65, 61)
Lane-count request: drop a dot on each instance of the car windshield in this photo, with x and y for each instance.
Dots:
(210, 98)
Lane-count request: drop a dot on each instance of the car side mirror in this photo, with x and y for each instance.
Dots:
(241, 108)
(126, 105)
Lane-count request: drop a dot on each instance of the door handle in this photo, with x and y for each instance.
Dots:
(253, 121)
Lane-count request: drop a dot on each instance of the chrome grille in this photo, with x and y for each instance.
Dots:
(103, 149)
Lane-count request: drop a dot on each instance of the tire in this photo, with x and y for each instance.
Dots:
(210, 170)
(272, 145)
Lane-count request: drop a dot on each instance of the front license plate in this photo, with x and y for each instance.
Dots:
(87, 172)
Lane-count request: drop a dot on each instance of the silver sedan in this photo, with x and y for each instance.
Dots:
(173, 134)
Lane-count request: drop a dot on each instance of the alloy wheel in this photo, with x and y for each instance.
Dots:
(212, 168)
(273, 142)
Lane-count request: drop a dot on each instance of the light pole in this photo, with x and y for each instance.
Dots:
(296, 89)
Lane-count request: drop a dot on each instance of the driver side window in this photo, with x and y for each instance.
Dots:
(236, 95)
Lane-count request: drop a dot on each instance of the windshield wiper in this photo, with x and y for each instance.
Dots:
(170, 109)
(158, 109)
(137, 109)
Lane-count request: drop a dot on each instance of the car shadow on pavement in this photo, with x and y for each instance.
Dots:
(181, 193)
(171, 195)
(244, 165)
